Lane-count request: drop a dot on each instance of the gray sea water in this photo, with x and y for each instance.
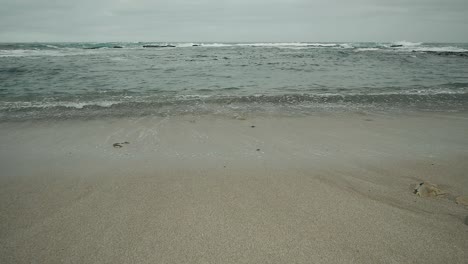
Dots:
(87, 80)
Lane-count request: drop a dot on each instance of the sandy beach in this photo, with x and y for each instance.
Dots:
(321, 188)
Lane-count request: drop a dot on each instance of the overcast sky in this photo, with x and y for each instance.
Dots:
(234, 20)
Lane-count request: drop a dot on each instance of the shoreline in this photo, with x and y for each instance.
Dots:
(328, 187)
(231, 105)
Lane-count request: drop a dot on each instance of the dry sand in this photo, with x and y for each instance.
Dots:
(326, 188)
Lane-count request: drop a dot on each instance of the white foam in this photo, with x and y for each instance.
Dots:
(216, 45)
(185, 45)
(321, 45)
(420, 92)
(405, 43)
(77, 105)
(81, 105)
(367, 49)
(270, 44)
(346, 46)
(192, 96)
(440, 49)
(418, 46)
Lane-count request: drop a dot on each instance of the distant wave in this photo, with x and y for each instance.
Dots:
(405, 43)
(293, 44)
(440, 49)
(444, 50)
(367, 49)
(45, 52)
(72, 49)
(215, 45)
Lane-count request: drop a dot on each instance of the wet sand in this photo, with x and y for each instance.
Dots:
(325, 188)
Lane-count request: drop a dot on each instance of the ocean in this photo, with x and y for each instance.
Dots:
(91, 80)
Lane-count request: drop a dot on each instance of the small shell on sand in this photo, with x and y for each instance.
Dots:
(463, 200)
(426, 189)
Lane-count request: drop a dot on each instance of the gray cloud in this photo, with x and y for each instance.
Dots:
(234, 20)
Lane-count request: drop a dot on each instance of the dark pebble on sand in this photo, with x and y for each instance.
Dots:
(252, 126)
(119, 145)
(258, 149)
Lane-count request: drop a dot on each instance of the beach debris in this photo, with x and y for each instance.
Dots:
(252, 126)
(426, 189)
(119, 145)
(463, 200)
(258, 149)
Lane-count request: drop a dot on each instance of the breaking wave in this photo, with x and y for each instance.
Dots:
(198, 103)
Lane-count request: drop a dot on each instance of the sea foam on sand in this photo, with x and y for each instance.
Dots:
(326, 188)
